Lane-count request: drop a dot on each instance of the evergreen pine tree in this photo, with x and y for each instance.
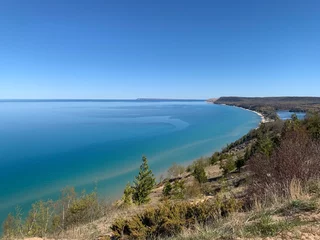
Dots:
(143, 183)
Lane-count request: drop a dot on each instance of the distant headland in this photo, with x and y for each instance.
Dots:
(268, 106)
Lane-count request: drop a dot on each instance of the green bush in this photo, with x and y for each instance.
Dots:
(193, 189)
(178, 189)
(215, 158)
(297, 206)
(313, 125)
(267, 227)
(127, 195)
(39, 219)
(167, 189)
(9, 229)
(199, 173)
(47, 217)
(203, 161)
(227, 166)
(175, 190)
(171, 218)
(239, 163)
(83, 209)
(313, 187)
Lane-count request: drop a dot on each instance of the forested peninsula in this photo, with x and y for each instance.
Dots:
(268, 106)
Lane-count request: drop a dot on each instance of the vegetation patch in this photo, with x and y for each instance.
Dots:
(283, 158)
(267, 227)
(298, 206)
(171, 218)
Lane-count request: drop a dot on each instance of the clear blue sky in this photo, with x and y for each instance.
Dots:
(167, 48)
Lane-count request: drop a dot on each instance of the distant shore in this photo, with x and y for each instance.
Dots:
(263, 118)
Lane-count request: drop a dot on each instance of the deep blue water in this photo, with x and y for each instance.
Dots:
(284, 115)
(45, 146)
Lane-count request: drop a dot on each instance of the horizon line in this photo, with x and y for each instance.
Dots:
(94, 100)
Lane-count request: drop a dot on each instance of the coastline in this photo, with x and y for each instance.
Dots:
(263, 118)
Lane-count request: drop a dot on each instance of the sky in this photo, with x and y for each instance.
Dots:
(161, 49)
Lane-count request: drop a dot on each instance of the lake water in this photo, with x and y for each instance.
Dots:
(45, 146)
(285, 115)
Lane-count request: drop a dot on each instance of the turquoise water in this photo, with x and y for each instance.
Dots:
(45, 146)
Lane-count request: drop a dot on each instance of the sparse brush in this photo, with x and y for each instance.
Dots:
(171, 218)
(288, 169)
(297, 206)
(266, 227)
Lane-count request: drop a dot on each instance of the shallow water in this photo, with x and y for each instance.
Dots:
(45, 146)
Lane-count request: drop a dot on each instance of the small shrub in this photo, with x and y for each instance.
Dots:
(193, 190)
(83, 209)
(209, 189)
(199, 173)
(313, 125)
(298, 206)
(39, 219)
(313, 187)
(248, 154)
(239, 163)
(265, 145)
(170, 219)
(178, 189)
(48, 218)
(266, 227)
(127, 195)
(201, 161)
(176, 171)
(119, 228)
(214, 158)
(167, 189)
(8, 227)
(227, 166)
(175, 190)
(14, 225)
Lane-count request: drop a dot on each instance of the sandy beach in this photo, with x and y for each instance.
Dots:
(263, 119)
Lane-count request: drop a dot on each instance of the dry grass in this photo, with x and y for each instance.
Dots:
(294, 217)
(295, 189)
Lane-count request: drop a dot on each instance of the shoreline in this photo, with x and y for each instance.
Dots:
(263, 118)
